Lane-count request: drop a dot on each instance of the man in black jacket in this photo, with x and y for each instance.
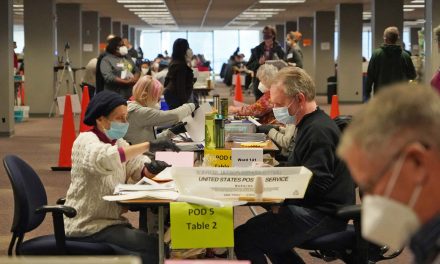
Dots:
(269, 49)
(277, 232)
(388, 64)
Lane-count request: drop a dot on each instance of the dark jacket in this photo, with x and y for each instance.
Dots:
(331, 186)
(425, 244)
(388, 64)
(179, 84)
(294, 56)
(98, 74)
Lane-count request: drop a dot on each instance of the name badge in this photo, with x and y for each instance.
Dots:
(290, 55)
(120, 65)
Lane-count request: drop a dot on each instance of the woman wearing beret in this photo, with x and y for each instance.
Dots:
(144, 113)
(101, 159)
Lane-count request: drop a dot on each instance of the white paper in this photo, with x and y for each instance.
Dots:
(76, 106)
(255, 122)
(245, 157)
(232, 183)
(161, 195)
(88, 47)
(196, 126)
(164, 175)
(124, 74)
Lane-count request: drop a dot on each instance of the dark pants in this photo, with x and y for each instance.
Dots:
(276, 234)
(128, 241)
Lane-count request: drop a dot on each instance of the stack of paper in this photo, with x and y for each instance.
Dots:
(246, 137)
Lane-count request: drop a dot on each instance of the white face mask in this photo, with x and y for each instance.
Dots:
(386, 221)
(144, 71)
(283, 116)
(262, 88)
(123, 50)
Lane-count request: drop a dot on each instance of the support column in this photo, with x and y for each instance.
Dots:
(414, 37)
(385, 14)
(291, 26)
(69, 29)
(138, 38)
(90, 35)
(6, 70)
(132, 36)
(305, 26)
(105, 29)
(39, 34)
(324, 39)
(281, 35)
(125, 32)
(349, 18)
(117, 28)
(432, 55)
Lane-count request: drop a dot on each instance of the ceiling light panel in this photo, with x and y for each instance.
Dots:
(281, 1)
(153, 12)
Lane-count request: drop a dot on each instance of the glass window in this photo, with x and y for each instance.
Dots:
(151, 44)
(201, 43)
(407, 38)
(168, 38)
(248, 40)
(19, 38)
(226, 42)
(336, 46)
(366, 44)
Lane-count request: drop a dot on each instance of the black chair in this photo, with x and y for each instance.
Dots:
(30, 208)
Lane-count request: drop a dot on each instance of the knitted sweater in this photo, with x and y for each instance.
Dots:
(96, 170)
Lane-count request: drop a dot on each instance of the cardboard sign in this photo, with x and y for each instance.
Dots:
(218, 158)
(195, 226)
(176, 159)
(244, 157)
(233, 183)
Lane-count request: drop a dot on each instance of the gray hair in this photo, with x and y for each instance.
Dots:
(396, 116)
(266, 74)
(296, 80)
(437, 32)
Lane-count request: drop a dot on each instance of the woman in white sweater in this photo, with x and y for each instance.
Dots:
(101, 159)
(144, 113)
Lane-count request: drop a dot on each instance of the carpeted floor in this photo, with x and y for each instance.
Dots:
(37, 142)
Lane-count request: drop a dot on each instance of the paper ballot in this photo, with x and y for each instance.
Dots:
(196, 126)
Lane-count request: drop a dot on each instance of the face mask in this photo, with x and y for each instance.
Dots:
(386, 221)
(282, 114)
(144, 71)
(117, 130)
(189, 54)
(123, 50)
(262, 88)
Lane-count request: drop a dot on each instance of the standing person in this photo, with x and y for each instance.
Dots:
(392, 148)
(89, 78)
(179, 80)
(435, 82)
(144, 113)
(118, 70)
(277, 232)
(101, 160)
(131, 50)
(294, 54)
(98, 78)
(269, 49)
(388, 64)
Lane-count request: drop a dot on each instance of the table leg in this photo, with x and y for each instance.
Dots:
(161, 219)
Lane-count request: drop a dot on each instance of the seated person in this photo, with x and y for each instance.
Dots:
(275, 233)
(262, 108)
(144, 113)
(281, 135)
(101, 160)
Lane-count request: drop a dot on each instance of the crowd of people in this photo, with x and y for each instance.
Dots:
(390, 150)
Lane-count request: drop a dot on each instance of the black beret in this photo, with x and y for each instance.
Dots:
(102, 104)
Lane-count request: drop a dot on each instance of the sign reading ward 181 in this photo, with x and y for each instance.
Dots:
(195, 226)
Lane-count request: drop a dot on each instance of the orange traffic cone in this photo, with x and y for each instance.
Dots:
(84, 103)
(334, 111)
(238, 98)
(67, 138)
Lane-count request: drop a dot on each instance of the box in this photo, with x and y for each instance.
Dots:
(21, 113)
(240, 127)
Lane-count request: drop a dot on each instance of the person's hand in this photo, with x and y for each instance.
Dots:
(178, 128)
(156, 166)
(163, 144)
(233, 109)
(262, 60)
(266, 128)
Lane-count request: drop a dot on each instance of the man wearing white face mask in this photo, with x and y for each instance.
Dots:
(313, 145)
(392, 148)
(118, 70)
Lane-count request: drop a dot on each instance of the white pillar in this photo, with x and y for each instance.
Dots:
(323, 49)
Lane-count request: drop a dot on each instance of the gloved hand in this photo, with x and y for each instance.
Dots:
(156, 166)
(178, 128)
(266, 128)
(163, 144)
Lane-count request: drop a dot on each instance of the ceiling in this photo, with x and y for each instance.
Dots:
(213, 14)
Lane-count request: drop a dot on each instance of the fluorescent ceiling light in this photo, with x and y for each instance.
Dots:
(148, 10)
(413, 6)
(267, 9)
(145, 6)
(152, 13)
(418, 1)
(18, 6)
(408, 9)
(139, 1)
(253, 18)
(281, 1)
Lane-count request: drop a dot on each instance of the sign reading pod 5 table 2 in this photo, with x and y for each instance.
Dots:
(194, 226)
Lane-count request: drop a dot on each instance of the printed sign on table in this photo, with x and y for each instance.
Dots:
(244, 157)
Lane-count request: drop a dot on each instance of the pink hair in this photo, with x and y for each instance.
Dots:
(147, 91)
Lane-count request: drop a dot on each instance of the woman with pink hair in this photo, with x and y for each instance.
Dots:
(144, 113)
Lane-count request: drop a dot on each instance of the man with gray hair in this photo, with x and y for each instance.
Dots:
(313, 145)
(388, 64)
(392, 148)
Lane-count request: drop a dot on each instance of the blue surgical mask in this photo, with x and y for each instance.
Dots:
(117, 130)
(283, 116)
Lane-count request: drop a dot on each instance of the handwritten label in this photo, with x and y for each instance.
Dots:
(244, 157)
(195, 226)
(218, 158)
